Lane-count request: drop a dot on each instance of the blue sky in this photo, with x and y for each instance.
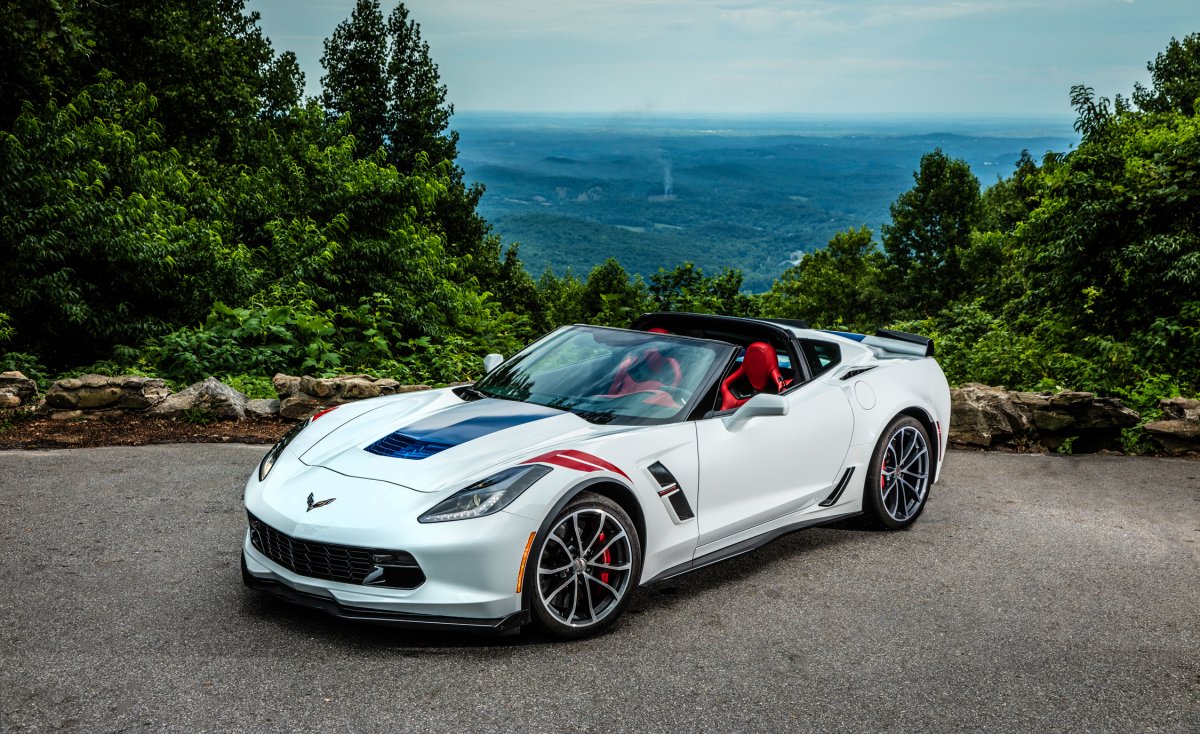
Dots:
(963, 58)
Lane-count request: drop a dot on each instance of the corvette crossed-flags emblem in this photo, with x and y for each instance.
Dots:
(314, 505)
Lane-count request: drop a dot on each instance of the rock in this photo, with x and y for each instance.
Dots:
(317, 387)
(985, 416)
(94, 392)
(16, 386)
(1175, 436)
(262, 408)
(210, 398)
(300, 397)
(988, 416)
(1179, 430)
(285, 385)
(358, 389)
(300, 407)
(96, 396)
(1174, 409)
(66, 415)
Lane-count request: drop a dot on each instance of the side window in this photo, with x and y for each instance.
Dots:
(820, 355)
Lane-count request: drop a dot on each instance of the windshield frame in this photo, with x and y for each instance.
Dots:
(723, 355)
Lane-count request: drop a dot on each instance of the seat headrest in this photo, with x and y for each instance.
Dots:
(761, 365)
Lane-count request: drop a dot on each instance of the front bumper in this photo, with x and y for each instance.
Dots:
(471, 575)
(404, 620)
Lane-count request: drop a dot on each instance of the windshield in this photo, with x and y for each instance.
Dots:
(610, 375)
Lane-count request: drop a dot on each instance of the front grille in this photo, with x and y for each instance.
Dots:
(345, 563)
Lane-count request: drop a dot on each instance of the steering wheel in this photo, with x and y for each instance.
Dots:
(665, 396)
(680, 395)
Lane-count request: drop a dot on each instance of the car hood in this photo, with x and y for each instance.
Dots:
(430, 447)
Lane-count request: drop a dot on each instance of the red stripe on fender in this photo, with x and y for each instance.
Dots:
(581, 456)
(593, 459)
(577, 460)
(564, 461)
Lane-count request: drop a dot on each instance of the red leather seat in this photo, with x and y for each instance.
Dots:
(758, 372)
(649, 370)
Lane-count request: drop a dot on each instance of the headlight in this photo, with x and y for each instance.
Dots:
(268, 461)
(486, 496)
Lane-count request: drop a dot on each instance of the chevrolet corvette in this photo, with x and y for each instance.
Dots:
(592, 462)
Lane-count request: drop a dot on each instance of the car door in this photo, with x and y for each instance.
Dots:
(768, 467)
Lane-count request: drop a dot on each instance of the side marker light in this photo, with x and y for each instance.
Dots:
(524, 560)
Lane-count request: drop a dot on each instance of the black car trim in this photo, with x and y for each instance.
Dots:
(375, 616)
(836, 495)
(744, 546)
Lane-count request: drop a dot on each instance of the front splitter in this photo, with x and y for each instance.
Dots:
(502, 625)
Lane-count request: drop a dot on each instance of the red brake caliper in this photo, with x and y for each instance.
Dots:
(606, 559)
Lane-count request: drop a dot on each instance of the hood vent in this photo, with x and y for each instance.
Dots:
(400, 446)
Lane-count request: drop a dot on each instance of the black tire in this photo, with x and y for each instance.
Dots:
(571, 594)
(893, 500)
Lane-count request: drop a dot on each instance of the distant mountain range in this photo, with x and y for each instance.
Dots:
(748, 194)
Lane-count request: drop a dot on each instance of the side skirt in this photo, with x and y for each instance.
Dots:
(745, 546)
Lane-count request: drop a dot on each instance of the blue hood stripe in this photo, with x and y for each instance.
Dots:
(457, 425)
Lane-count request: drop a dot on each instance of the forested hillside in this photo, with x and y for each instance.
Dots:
(747, 194)
(169, 204)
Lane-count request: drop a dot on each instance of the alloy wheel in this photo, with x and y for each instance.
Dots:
(904, 474)
(584, 567)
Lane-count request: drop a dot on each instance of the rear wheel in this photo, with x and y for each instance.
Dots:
(898, 479)
(585, 567)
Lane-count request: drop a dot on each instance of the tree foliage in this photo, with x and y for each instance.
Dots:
(168, 204)
(1175, 79)
(840, 286)
(930, 229)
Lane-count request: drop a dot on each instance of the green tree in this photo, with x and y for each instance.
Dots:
(686, 288)
(1008, 201)
(418, 116)
(382, 76)
(207, 63)
(40, 42)
(355, 85)
(840, 285)
(101, 228)
(563, 298)
(931, 227)
(611, 298)
(1175, 75)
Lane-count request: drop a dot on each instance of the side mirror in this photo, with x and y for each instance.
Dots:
(492, 361)
(759, 406)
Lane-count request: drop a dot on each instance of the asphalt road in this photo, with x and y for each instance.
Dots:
(1035, 594)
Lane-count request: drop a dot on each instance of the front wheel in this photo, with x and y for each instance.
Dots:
(898, 479)
(586, 565)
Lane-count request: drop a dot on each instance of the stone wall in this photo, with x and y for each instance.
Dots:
(16, 391)
(981, 416)
(300, 397)
(992, 417)
(1178, 432)
(101, 395)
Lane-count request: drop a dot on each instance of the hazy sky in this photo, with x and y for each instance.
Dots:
(787, 57)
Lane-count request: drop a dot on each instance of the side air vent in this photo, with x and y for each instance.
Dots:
(836, 494)
(855, 372)
(672, 496)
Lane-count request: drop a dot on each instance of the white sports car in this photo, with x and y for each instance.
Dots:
(595, 460)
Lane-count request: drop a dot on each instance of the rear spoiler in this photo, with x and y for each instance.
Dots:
(896, 342)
